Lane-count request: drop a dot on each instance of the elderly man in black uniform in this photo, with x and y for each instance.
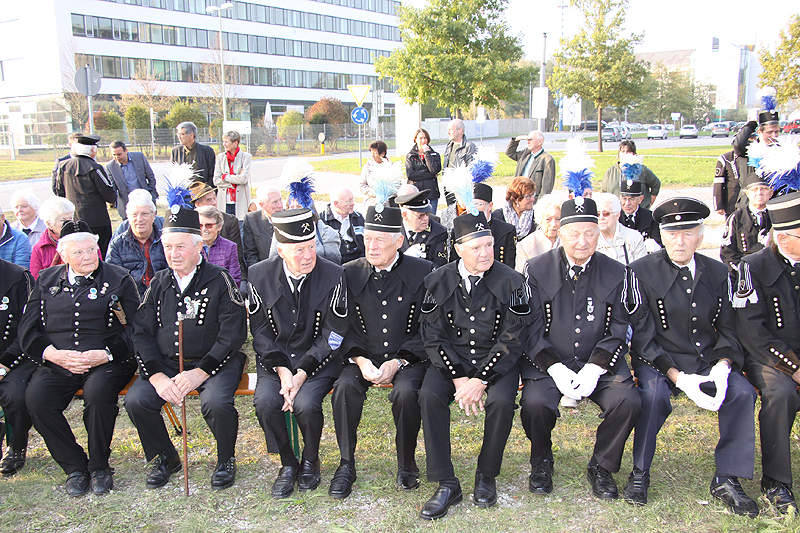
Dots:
(383, 345)
(684, 340)
(298, 317)
(205, 297)
(576, 348)
(75, 328)
(505, 235)
(634, 216)
(425, 238)
(473, 324)
(84, 182)
(766, 309)
(15, 369)
(747, 229)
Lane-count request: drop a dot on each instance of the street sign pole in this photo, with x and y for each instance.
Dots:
(359, 146)
(89, 99)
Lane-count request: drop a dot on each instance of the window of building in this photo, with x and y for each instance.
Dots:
(156, 34)
(78, 27)
(259, 13)
(278, 77)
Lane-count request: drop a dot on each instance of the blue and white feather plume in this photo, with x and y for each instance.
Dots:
(178, 178)
(768, 98)
(576, 166)
(385, 179)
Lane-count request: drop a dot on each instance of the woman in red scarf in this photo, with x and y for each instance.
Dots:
(232, 177)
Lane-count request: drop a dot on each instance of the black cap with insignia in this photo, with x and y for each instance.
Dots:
(630, 188)
(294, 225)
(74, 226)
(181, 220)
(578, 209)
(468, 226)
(680, 213)
(416, 201)
(389, 220)
(481, 191)
(89, 140)
(784, 211)
(754, 179)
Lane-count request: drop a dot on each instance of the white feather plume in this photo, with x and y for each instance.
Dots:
(488, 154)
(181, 174)
(782, 158)
(631, 159)
(295, 170)
(766, 91)
(576, 157)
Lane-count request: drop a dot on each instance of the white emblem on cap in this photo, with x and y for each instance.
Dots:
(378, 217)
(579, 201)
(306, 226)
(677, 217)
(479, 226)
(175, 209)
(630, 183)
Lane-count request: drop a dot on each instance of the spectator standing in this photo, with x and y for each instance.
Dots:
(533, 162)
(423, 165)
(200, 156)
(130, 171)
(232, 177)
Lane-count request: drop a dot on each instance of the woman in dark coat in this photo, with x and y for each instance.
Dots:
(423, 164)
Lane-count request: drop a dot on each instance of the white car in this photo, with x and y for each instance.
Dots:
(657, 131)
(689, 130)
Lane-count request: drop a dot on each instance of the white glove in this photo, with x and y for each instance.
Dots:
(586, 379)
(416, 250)
(752, 115)
(719, 373)
(564, 377)
(651, 246)
(690, 384)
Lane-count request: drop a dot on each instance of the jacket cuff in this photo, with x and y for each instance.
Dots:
(408, 356)
(451, 369)
(309, 364)
(546, 358)
(352, 353)
(119, 349)
(787, 362)
(726, 353)
(663, 364)
(36, 349)
(273, 359)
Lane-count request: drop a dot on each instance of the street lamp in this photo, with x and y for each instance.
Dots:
(218, 11)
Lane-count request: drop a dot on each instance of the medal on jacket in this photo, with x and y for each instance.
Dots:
(191, 307)
(4, 305)
(54, 290)
(92, 294)
(589, 309)
(104, 289)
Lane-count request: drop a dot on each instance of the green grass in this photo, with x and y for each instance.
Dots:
(18, 170)
(34, 499)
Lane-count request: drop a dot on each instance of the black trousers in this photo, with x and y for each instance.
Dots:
(104, 234)
(307, 410)
(618, 400)
(12, 399)
(49, 392)
(143, 405)
(434, 399)
(735, 452)
(349, 393)
(779, 406)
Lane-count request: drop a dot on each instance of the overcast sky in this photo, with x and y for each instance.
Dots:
(672, 25)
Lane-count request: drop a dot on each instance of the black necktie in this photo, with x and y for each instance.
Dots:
(296, 287)
(411, 236)
(758, 219)
(26, 231)
(473, 282)
(79, 280)
(576, 272)
(630, 220)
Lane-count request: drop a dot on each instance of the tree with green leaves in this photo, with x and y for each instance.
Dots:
(782, 69)
(598, 63)
(668, 91)
(456, 53)
(289, 127)
(185, 112)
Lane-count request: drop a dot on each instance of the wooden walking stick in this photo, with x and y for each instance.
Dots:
(181, 316)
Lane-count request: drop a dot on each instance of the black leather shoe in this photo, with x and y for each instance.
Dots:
(485, 492)
(224, 475)
(309, 477)
(779, 494)
(77, 484)
(635, 492)
(163, 468)
(283, 486)
(342, 482)
(408, 479)
(732, 494)
(541, 478)
(13, 461)
(441, 501)
(102, 481)
(602, 481)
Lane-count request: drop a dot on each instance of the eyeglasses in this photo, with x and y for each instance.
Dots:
(208, 226)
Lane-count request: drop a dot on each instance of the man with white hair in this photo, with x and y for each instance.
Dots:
(138, 249)
(768, 322)
(257, 231)
(533, 162)
(341, 216)
(298, 318)
(425, 238)
(74, 327)
(84, 182)
(685, 340)
(200, 156)
(26, 209)
(204, 297)
(14, 245)
(616, 241)
(459, 151)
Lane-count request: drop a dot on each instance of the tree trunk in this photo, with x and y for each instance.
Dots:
(600, 129)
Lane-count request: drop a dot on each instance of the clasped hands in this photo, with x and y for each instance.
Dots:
(174, 389)
(75, 361)
(690, 384)
(576, 385)
(378, 376)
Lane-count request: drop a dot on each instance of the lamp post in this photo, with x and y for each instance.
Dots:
(218, 11)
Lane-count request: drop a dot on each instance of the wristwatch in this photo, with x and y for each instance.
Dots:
(3, 372)
(108, 353)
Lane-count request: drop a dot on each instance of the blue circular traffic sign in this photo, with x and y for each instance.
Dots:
(359, 115)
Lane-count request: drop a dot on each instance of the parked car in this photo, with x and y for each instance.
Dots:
(720, 128)
(670, 127)
(792, 127)
(626, 131)
(689, 130)
(612, 134)
(707, 127)
(736, 127)
(591, 125)
(657, 131)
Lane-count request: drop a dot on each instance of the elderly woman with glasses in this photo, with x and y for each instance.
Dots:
(55, 212)
(518, 209)
(218, 250)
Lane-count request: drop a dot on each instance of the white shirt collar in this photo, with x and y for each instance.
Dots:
(184, 282)
(791, 261)
(462, 270)
(390, 267)
(32, 225)
(571, 263)
(290, 276)
(692, 266)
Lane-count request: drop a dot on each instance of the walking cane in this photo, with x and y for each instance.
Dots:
(181, 316)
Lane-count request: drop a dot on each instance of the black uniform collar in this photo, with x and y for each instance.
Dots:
(601, 269)
(410, 270)
(448, 278)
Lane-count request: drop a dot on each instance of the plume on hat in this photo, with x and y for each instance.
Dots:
(385, 179)
(576, 166)
(631, 165)
(295, 170)
(178, 178)
(301, 191)
(458, 180)
(483, 164)
(780, 165)
(767, 96)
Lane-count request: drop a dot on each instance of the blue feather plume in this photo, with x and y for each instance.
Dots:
(178, 194)
(769, 102)
(578, 181)
(785, 182)
(301, 191)
(483, 164)
(385, 179)
(631, 171)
